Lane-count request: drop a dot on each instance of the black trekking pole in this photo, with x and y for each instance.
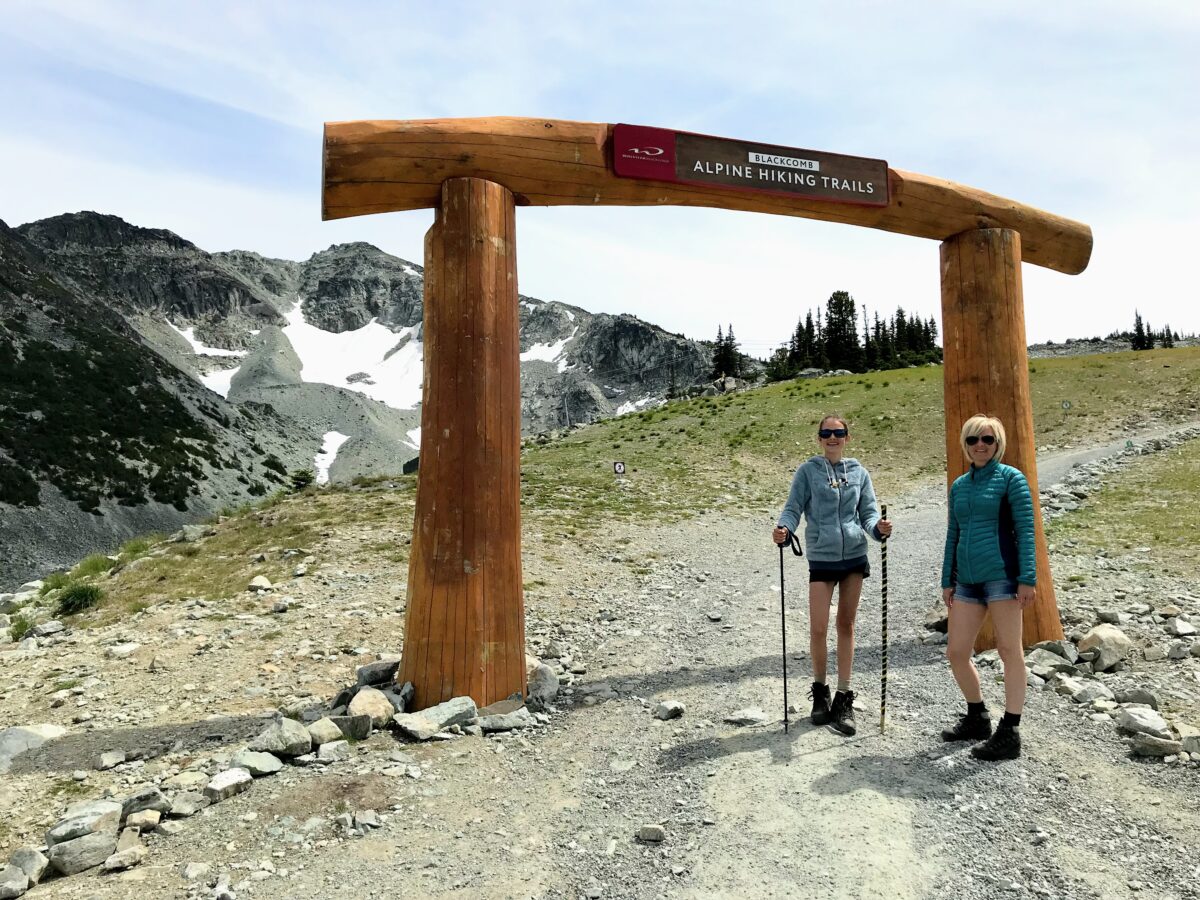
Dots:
(795, 545)
(883, 670)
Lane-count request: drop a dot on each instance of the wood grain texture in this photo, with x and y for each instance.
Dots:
(385, 166)
(465, 626)
(987, 371)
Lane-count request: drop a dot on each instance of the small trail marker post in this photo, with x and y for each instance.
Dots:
(465, 631)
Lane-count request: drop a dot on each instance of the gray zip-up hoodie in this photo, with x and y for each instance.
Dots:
(837, 519)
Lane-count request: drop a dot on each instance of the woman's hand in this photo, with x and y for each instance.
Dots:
(1026, 594)
(780, 535)
(885, 528)
(948, 596)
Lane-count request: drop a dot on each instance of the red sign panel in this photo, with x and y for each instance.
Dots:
(684, 158)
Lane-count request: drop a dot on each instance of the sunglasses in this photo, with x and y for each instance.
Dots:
(976, 438)
(825, 433)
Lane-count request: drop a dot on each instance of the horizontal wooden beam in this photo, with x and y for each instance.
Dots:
(386, 166)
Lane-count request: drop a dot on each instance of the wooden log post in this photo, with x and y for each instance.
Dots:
(987, 371)
(465, 624)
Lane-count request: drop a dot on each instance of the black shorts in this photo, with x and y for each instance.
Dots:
(835, 572)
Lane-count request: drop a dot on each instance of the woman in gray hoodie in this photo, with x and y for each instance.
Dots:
(835, 495)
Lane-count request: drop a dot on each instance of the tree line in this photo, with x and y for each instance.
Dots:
(1143, 337)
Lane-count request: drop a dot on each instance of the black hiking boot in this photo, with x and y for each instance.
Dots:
(841, 713)
(1004, 744)
(820, 698)
(969, 728)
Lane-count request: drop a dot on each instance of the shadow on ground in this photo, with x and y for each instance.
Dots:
(82, 750)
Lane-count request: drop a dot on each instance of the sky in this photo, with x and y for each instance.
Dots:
(206, 118)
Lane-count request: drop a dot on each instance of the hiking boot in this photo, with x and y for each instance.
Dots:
(969, 728)
(820, 698)
(1004, 744)
(841, 713)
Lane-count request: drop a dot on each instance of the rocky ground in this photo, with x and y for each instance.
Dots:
(599, 797)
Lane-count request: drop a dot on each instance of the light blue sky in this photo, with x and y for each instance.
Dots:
(205, 118)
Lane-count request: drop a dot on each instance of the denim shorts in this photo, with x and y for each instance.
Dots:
(985, 592)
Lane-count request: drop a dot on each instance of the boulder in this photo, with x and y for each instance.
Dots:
(98, 816)
(1141, 720)
(371, 702)
(669, 709)
(227, 784)
(284, 737)
(82, 853)
(543, 687)
(1149, 745)
(376, 673)
(520, 718)
(31, 862)
(256, 763)
(146, 798)
(13, 882)
(1110, 645)
(324, 731)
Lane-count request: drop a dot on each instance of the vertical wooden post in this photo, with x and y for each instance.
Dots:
(465, 625)
(987, 371)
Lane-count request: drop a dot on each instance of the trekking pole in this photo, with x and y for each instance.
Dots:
(883, 670)
(795, 545)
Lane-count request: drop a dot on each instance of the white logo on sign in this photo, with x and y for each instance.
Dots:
(646, 151)
(619, 468)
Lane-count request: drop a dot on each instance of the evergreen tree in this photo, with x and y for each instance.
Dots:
(1138, 342)
(1167, 338)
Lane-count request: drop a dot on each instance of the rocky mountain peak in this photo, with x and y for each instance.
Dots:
(99, 230)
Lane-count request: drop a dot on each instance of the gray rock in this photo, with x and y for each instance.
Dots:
(13, 882)
(146, 820)
(187, 804)
(750, 716)
(652, 834)
(366, 818)
(1109, 642)
(31, 862)
(260, 583)
(256, 763)
(353, 728)
(125, 859)
(458, 711)
(334, 751)
(1041, 657)
(1179, 650)
(376, 673)
(371, 702)
(543, 687)
(1065, 649)
(122, 651)
(47, 628)
(520, 718)
(1180, 628)
(1154, 653)
(1139, 720)
(82, 853)
(97, 816)
(169, 828)
(146, 798)
(110, 759)
(284, 737)
(1138, 695)
(196, 871)
(415, 726)
(324, 731)
(1090, 691)
(227, 784)
(16, 740)
(669, 709)
(1149, 745)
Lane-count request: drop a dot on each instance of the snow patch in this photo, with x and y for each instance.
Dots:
(550, 352)
(198, 348)
(330, 445)
(220, 381)
(393, 372)
(634, 405)
(414, 439)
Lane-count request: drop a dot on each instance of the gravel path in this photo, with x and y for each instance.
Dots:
(691, 613)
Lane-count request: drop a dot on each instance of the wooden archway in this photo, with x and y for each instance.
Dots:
(465, 619)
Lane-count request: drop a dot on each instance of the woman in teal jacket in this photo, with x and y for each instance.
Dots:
(989, 564)
(835, 495)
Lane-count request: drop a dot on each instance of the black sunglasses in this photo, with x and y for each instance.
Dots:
(974, 439)
(832, 432)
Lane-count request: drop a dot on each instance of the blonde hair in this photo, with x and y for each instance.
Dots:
(975, 425)
(836, 418)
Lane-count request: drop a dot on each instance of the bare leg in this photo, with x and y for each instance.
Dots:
(820, 593)
(965, 621)
(849, 592)
(1006, 620)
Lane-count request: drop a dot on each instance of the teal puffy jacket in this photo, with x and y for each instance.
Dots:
(990, 532)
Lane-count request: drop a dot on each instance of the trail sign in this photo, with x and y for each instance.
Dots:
(618, 468)
(1066, 404)
(686, 158)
